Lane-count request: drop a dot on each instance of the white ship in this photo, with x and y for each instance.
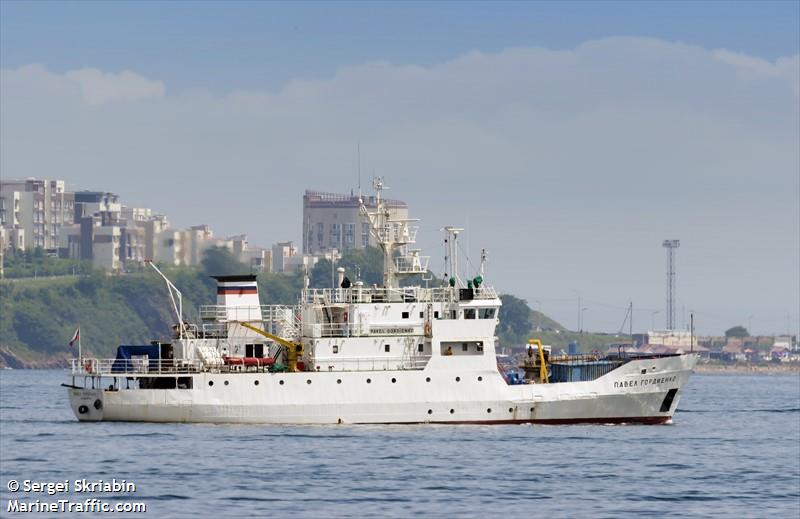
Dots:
(366, 355)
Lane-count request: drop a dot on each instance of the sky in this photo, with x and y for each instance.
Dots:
(570, 139)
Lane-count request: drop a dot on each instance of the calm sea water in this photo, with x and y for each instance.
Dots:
(733, 451)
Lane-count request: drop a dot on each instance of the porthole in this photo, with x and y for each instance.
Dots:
(394, 380)
(531, 409)
(428, 379)
(489, 410)
(458, 379)
(480, 379)
(510, 409)
(280, 382)
(210, 382)
(338, 381)
(226, 382)
(369, 381)
(256, 382)
(308, 381)
(430, 411)
(452, 411)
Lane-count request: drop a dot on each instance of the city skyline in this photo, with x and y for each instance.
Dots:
(569, 157)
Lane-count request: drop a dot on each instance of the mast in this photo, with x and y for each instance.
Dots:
(393, 237)
(452, 252)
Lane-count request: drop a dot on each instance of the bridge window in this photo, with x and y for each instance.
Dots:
(386, 348)
(420, 348)
(487, 313)
(405, 315)
(421, 315)
(469, 313)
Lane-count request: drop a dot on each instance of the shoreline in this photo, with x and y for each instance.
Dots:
(747, 368)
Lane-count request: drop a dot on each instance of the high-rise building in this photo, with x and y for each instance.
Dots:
(33, 210)
(333, 221)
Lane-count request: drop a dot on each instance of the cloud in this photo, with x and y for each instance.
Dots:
(103, 87)
(94, 86)
(540, 152)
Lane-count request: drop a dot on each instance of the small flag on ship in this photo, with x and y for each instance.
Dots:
(75, 337)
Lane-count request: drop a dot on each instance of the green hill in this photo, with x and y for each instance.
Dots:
(39, 316)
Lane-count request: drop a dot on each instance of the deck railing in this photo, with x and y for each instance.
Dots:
(393, 295)
(269, 313)
(121, 367)
(411, 263)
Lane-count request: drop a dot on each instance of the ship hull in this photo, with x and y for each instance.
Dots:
(643, 391)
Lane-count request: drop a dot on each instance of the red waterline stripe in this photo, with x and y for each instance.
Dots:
(644, 420)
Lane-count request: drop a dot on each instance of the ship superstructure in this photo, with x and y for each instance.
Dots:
(365, 354)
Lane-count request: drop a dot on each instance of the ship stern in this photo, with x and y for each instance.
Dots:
(86, 404)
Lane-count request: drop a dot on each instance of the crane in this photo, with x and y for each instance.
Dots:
(293, 349)
(543, 378)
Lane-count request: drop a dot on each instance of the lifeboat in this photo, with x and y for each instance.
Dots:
(248, 361)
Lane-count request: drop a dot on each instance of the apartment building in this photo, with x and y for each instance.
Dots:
(32, 211)
(333, 222)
